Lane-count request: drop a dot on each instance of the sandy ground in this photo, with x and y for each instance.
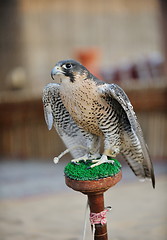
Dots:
(36, 204)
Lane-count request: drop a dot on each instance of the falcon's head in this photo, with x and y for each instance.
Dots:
(70, 69)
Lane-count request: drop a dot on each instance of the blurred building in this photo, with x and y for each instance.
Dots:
(125, 38)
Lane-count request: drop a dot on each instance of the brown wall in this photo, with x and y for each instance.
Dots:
(36, 34)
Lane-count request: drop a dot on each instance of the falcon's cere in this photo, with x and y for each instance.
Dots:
(83, 109)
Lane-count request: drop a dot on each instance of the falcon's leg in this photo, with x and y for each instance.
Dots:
(111, 149)
(112, 143)
(93, 145)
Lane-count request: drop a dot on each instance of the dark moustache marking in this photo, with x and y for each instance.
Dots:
(70, 75)
(78, 68)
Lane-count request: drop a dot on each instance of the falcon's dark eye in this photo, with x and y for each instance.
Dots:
(68, 65)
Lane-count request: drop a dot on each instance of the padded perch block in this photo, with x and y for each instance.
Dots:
(82, 171)
(97, 179)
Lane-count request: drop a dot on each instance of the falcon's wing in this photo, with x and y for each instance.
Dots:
(134, 147)
(57, 115)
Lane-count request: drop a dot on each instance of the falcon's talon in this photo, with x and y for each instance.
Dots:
(81, 159)
(88, 161)
(75, 163)
(88, 168)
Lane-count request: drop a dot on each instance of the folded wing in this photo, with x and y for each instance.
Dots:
(57, 115)
(134, 147)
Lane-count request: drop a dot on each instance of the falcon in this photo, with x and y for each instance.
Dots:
(84, 110)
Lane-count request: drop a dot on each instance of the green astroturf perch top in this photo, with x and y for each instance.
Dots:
(82, 172)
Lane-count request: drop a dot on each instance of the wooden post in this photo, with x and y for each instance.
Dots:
(96, 205)
(95, 189)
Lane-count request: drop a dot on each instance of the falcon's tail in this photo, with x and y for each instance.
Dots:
(137, 157)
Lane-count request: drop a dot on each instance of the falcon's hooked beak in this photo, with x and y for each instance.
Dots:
(56, 71)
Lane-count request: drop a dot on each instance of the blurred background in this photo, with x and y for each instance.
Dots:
(120, 41)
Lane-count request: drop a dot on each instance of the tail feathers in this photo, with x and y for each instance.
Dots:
(136, 154)
(140, 169)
